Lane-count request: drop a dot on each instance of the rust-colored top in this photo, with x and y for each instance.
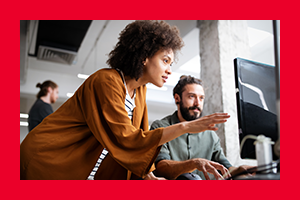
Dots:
(67, 144)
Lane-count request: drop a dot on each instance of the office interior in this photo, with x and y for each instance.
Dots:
(248, 39)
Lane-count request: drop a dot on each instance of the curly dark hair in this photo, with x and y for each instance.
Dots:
(140, 40)
(183, 81)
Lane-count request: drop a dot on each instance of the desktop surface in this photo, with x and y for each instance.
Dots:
(268, 176)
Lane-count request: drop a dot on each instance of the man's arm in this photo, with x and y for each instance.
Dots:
(171, 169)
(219, 157)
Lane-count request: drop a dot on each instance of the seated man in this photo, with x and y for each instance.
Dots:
(198, 153)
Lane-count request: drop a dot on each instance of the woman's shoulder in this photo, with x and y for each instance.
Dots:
(106, 72)
(112, 77)
(106, 75)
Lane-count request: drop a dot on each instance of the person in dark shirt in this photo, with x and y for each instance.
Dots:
(41, 108)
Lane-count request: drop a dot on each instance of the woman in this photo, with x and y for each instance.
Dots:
(67, 144)
(42, 106)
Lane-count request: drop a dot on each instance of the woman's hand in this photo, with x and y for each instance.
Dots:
(207, 122)
(195, 126)
(151, 176)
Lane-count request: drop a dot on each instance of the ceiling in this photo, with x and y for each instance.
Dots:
(100, 36)
(90, 42)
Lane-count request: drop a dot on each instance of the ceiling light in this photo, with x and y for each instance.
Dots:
(82, 76)
(22, 115)
(70, 94)
(23, 123)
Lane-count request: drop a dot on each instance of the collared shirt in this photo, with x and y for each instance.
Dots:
(200, 145)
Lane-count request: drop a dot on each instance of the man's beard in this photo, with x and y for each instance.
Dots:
(186, 114)
(52, 99)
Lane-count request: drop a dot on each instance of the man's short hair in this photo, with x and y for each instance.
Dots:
(183, 81)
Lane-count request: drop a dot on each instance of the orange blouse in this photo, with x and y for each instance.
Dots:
(67, 144)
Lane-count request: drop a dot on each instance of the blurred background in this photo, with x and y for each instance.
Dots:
(68, 51)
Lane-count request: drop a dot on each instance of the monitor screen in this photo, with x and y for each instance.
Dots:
(256, 103)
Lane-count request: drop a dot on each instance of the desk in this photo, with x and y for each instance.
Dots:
(270, 176)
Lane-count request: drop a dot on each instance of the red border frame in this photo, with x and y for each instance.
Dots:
(12, 187)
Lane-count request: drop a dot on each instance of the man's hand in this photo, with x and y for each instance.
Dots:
(151, 176)
(205, 166)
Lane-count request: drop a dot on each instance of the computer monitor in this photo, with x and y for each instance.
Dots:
(256, 103)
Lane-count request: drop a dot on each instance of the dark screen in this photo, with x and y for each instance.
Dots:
(256, 102)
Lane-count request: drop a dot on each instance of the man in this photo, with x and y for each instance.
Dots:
(42, 106)
(198, 153)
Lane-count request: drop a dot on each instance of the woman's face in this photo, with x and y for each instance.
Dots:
(158, 68)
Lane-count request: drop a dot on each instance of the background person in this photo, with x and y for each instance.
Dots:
(198, 153)
(68, 143)
(41, 108)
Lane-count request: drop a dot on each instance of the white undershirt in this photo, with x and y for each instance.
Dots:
(129, 106)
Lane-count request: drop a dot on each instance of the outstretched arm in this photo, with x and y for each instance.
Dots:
(199, 125)
(171, 169)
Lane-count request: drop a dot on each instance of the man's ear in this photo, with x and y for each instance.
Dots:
(49, 89)
(177, 98)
